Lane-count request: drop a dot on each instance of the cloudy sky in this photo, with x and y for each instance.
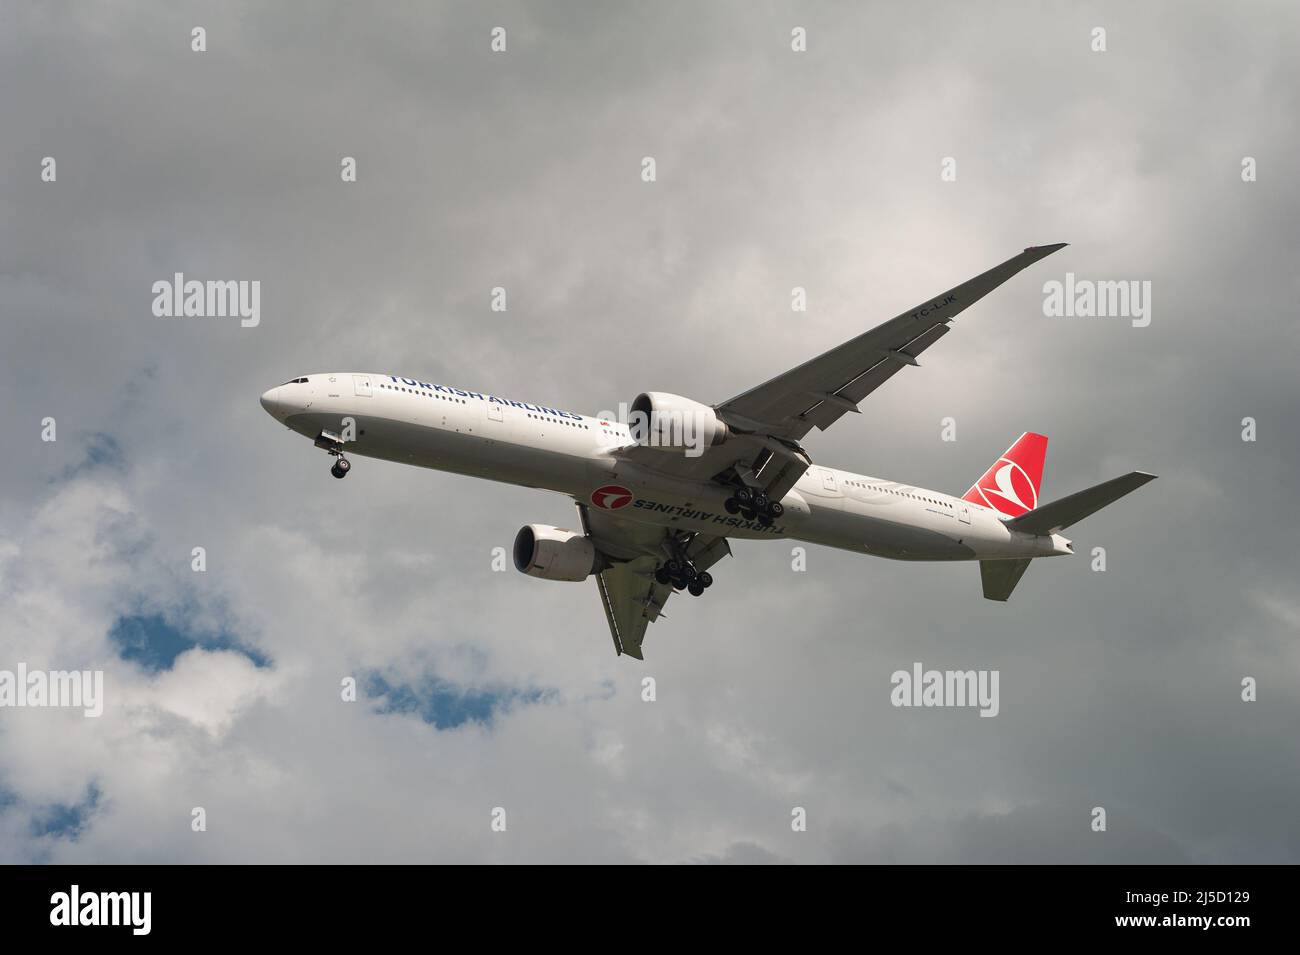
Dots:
(521, 169)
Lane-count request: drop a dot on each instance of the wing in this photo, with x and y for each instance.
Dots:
(631, 596)
(822, 389)
(769, 420)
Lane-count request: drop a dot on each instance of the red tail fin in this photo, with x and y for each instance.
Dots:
(1011, 485)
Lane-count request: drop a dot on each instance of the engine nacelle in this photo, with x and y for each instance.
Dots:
(554, 554)
(673, 423)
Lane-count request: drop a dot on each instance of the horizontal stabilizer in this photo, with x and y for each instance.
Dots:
(1059, 515)
(1001, 576)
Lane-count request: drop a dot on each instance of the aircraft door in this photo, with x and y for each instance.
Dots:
(361, 385)
(819, 482)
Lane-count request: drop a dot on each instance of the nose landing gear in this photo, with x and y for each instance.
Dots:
(331, 442)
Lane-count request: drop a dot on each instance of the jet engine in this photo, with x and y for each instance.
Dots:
(552, 553)
(673, 423)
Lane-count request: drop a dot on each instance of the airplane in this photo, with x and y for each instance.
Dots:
(659, 496)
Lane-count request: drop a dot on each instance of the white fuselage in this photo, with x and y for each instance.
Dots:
(487, 436)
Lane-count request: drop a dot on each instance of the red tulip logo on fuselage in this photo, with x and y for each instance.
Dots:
(611, 497)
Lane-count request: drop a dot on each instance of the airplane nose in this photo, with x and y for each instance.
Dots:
(272, 403)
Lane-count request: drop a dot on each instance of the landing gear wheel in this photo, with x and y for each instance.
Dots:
(689, 572)
(761, 502)
(696, 588)
(679, 583)
(776, 509)
(764, 520)
(748, 513)
(661, 576)
(705, 580)
(744, 496)
(731, 506)
(673, 568)
(341, 468)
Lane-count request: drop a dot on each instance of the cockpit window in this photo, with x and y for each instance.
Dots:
(297, 381)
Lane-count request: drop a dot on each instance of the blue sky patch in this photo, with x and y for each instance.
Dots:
(102, 451)
(154, 643)
(446, 705)
(63, 821)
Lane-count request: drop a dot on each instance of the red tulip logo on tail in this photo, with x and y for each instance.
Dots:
(1011, 485)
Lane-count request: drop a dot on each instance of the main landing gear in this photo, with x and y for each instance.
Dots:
(683, 576)
(331, 442)
(754, 505)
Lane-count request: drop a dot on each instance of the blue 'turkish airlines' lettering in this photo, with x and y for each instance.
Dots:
(491, 399)
(706, 516)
